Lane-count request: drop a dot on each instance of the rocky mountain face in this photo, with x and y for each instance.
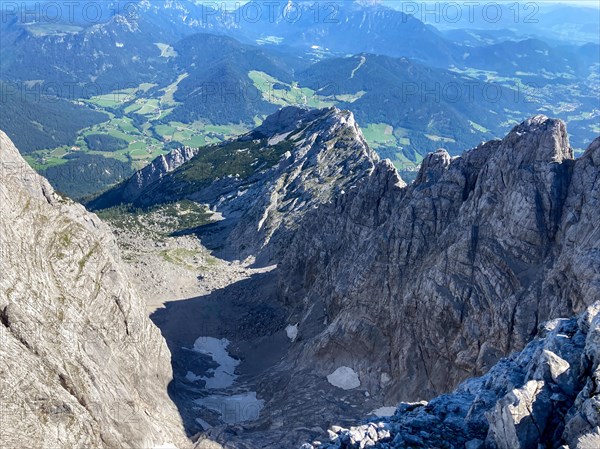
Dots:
(263, 182)
(130, 190)
(81, 364)
(327, 155)
(345, 27)
(115, 47)
(545, 396)
(405, 291)
(417, 288)
(156, 170)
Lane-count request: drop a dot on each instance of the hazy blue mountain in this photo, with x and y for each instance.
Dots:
(217, 87)
(570, 23)
(542, 63)
(344, 27)
(122, 44)
(426, 107)
(481, 37)
(550, 21)
(104, 57)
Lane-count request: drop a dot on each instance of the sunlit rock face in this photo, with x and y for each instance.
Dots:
(81, 365)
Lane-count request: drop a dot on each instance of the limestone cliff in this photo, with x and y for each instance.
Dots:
(130, 190)
(81, 365)
(418, 288)
(408, 289)
(263, 182)
(545, 396)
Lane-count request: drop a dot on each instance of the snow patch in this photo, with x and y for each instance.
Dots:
(383, 412)
(344, 378)
(224, 375)
(292, 331)
(235, 408)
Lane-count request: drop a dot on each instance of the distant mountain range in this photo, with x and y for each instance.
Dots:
(217, 87)
(424, 107)
(123, 46)
(542, 63)
(413, 87)
(566, 21)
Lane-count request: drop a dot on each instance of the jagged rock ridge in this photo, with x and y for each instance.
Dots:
(416, 288)
(264, 181)
(545, 396)
(130, 190)
(430, 284)
(82, 366)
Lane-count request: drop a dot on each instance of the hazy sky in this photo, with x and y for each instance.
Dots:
(588, 3)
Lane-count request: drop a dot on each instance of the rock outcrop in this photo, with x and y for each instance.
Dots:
(156, 170)
(418, 288)
(81, 364)
(130, 190)
(328, 155)
(298, 159)
(545, 396)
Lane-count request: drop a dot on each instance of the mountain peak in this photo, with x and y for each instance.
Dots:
(433, 166)
(540, 139)
(297, 159)
(501, 204)
(290, 118)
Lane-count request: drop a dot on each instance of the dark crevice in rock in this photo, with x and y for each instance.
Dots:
(4, 317)
(68, 387)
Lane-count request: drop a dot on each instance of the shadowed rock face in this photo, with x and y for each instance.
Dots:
(432, 283)
(81, 365)
(544, 396)
(417, 288)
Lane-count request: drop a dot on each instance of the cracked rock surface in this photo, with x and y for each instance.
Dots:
(81, 364)
(545, 396)
(433, 283)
